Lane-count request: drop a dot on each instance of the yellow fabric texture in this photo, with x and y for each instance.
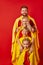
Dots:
(34, 56)
(17, 57)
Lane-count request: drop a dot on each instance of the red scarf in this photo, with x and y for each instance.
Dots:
(26, 59)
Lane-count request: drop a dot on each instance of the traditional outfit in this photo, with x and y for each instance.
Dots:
(18, 24)
(34, 57)
(23, 57)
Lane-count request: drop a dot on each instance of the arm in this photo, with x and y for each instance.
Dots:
(29, 26)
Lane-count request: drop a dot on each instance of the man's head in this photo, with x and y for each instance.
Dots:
(24, 10)
(24, 21)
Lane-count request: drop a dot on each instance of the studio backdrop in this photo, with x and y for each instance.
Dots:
(9, 11)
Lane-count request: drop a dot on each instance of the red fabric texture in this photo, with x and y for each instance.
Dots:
(26, 59)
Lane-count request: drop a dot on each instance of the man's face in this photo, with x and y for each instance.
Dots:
(24, 11)
(24, 21)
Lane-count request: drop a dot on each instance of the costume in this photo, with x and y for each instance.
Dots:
(20, 58)
(34, 57)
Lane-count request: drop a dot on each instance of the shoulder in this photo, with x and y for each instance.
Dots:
(19, 18)
(16, 21)
(31, 18)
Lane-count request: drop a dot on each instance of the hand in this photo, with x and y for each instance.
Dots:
(17, 29)
(18, 41)
(34, 29)
(31, 50)
(29, 26)
(21, 48)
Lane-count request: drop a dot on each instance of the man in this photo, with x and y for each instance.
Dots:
(24, 12)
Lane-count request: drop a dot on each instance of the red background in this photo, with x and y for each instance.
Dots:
(9, 11)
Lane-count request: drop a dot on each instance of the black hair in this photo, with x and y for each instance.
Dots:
(24, 7)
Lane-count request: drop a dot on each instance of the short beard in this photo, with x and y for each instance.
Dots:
(24, 15)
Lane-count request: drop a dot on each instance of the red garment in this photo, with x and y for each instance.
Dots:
(20, 34)
(26, 59)
(31, 23)
(19, 23)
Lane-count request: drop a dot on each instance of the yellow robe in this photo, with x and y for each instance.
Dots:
(35, 35)
(16, 53)
(17, 57)
(16, 26)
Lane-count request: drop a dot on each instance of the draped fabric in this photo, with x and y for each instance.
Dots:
(34, 56)
(26, 59)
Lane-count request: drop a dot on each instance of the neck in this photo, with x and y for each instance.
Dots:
(24, 15)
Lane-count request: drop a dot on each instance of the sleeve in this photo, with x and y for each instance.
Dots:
(14, 30)
(13, 34)
(14, 52)
(33, 22)
(37, 31)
